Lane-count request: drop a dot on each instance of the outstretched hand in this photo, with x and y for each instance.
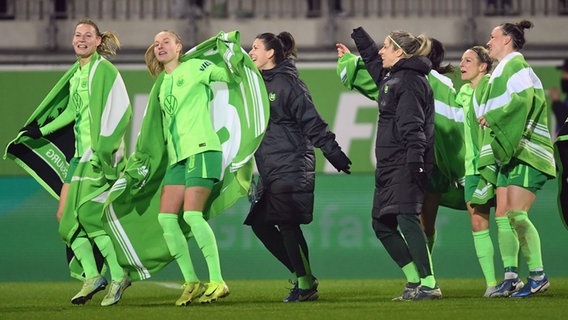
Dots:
(341, 49)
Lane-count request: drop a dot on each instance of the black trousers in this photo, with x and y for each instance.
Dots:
(403, 250)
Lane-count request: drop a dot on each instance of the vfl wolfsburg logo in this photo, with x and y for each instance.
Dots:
(386, 89)
(170, 104)
(77, 101)
(180, 82)
(84, 84)
(272, 96)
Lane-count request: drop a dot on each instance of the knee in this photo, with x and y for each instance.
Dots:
(382, 230)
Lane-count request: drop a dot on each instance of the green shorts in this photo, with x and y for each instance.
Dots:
(199, 170)
(471, 183)
(520, 174)
(72, 166)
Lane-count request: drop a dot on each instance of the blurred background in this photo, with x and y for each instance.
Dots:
(35, 50)
(39, 31)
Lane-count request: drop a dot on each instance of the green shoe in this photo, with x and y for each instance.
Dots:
(90, 287)
(115, 291)
(191, 291)
(215, 291)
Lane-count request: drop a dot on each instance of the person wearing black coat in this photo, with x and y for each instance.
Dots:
(404, 152)
(286, 161)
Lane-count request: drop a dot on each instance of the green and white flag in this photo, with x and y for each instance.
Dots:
(514, 105)
(240, 111)
(448, 145)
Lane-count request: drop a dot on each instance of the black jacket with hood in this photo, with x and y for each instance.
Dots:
(405, 132)
(285, 159)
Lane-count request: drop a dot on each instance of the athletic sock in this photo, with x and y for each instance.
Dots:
(537, 274)
(485, 252)
(428, 281)
(206, 241)
(508, 242)
(83, 250)
(511, 273)
(177, 245)
(528, 236)
(305, 282)
(107, 250)
(431, 240)
(411, 272)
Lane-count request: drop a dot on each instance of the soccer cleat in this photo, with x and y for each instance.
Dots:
(115, 291)
(488, 291)
(310, 294)
(294, 295)
(409, 292)
(191, 292)
(532, 287)
(426, 293)
(90, 287)
(215, 291)
(506, 287)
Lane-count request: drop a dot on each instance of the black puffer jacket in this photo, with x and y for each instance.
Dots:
(405, 132)
(285, 158)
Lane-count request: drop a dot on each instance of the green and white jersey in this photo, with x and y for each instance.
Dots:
(185, 96)
(514, 105)
(79, 102)
(472, 131)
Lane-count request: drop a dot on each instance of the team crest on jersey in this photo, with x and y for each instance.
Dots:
(386, 90)
(205, 65)
(170, 104)
(272, 96)
(180, 82)
(84, 84)
(77, 101)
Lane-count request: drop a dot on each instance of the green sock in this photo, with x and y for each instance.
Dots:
(428, 281)
(508, 242)
(529, 238)
(305, 282)
(83, 250)
(206, 241)
(484, 249)
(177, 245)
(411, 272)
(431, 240)
(104, 244)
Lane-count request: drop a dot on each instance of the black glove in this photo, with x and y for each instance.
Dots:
(32, 131)
(417, 173)
(339, 160)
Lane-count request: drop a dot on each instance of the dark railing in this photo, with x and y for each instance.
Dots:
(267, 9)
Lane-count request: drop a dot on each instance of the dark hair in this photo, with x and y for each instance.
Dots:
(109, 40)
(517, 32)
(436, 56)
(283, 44)
(483, 55)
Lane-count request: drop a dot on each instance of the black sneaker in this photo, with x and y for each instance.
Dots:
(294, 295)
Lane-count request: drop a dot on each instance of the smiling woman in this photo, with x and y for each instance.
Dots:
(91, 101)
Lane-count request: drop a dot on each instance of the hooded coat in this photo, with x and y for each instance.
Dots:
(286, 158)
(405, 130)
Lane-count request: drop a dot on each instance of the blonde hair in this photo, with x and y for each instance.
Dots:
(155, 67)
(109, 40)
(411, 45)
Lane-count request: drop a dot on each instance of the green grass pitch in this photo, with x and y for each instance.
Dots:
(261, 299)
